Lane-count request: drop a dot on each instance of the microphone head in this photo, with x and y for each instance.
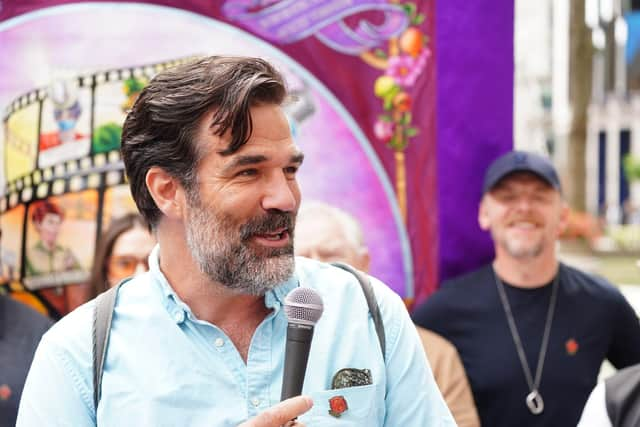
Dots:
(303, 306)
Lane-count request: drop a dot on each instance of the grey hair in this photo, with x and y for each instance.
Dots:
(348, 223)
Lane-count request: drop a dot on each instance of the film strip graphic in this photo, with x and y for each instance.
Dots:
(69, 177)
(93, 171)
(94, 79)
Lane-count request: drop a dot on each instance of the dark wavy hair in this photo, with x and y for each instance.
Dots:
(160, 129)
(104, 249)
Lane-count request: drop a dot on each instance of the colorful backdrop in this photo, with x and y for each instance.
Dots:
(401, 106)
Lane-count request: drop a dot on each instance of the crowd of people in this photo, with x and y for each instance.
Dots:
(199, 279)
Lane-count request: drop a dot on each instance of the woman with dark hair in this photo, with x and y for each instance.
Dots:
(121, 252)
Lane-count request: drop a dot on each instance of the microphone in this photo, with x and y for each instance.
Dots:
(303, 307)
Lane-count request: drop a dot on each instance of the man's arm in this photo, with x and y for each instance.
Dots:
(413, 398)
(51, 394)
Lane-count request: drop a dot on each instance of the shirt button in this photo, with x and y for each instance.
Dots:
(219, 342)
(255, 402)
(179, 316)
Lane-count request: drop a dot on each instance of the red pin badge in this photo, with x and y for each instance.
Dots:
(572, 346)
(5, 392)
(338, 405)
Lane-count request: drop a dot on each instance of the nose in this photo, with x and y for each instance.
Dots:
(524, 203)
(281, 194)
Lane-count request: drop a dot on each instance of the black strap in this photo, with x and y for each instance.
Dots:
(374, 309)
(102, 317)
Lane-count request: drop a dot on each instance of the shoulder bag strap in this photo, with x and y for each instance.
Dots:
(102, 317)
(374, 309)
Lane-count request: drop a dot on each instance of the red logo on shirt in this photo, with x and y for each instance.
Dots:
(5, 392)
(572, 346)
(338, 405)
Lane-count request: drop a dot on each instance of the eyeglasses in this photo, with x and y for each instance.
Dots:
(123, 266)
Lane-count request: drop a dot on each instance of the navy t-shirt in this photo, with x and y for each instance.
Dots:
(592, 322)
(20, 331)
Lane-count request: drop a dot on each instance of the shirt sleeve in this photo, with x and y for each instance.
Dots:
(51, 394)
(595, 410)
(413, 398)
(625, 346)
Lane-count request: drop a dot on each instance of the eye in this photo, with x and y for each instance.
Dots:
(291, 170)
(248, 172)
(505, 196)
(541, 197)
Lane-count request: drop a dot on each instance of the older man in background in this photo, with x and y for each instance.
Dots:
(330, 234)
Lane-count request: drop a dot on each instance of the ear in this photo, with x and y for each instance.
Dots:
(166, 192)
(564, 218)
(364, 260)
(483, 215)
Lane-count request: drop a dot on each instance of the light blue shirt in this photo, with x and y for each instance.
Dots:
(164, 367)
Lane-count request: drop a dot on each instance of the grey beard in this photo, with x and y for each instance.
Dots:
(222, 253)
(520, 253)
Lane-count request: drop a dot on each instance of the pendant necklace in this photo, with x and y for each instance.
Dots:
(534, 398)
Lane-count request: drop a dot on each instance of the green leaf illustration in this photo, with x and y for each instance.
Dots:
(410, 9)
(107, 138)
(380, 53)
(133, 85)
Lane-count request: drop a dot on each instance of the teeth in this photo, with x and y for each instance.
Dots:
(273, 236)
(524, 225)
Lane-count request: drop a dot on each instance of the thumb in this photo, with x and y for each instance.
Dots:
(281, 413)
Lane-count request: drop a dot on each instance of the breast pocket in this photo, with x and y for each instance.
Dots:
(351, 406)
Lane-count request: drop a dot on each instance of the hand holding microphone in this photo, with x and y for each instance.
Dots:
(303, 307)
(282, 414)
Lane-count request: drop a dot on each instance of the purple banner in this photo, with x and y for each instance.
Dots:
(475, 120)
(407, 102)
(291, 21)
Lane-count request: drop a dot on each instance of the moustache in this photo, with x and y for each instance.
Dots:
(268, 223)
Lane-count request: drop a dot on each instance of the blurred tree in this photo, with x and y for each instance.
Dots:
(631, 168)
(580, 69)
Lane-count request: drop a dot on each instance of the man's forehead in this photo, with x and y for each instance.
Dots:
(267, 149)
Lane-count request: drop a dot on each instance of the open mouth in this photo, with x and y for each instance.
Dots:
(278, 237)
(524, 226)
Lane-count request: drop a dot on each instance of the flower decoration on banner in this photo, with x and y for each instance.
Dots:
(402, 64)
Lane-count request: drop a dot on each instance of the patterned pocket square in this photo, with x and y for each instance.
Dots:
(351, 377)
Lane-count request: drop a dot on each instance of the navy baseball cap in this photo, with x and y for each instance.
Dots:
(520, 161)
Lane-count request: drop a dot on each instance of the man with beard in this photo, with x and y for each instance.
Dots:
(531, 331)
(200, 338)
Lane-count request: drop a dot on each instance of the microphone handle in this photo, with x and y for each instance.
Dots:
(295, 359)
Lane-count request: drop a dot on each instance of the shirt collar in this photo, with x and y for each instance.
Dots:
(179, 310)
